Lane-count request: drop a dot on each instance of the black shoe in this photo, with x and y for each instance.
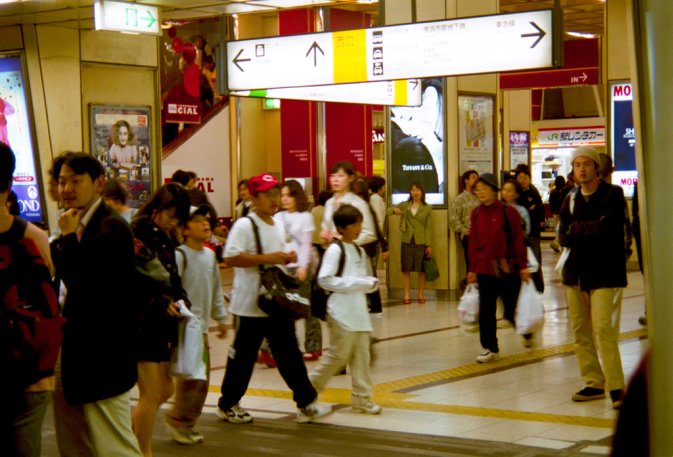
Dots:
(617, 397)
(642, 320)
(588, 394)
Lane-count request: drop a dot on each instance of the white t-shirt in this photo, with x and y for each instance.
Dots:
(298, 230)
(347, 304)
(241, 240)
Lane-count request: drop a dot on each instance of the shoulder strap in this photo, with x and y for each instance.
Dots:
(183, 254)
(342, 256)
(573, 195)
(255, 230)
(379, 235)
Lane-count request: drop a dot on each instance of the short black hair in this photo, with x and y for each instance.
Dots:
(376, 182)
(81, 163)
(114, 190)
(323, 196)
(181, 177)
(170, 195)
(346, 215)
(56, 164)
(346, 166)
(12, 202)
(7, 166)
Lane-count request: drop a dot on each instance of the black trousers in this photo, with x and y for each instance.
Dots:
(242, 356)
(490, 288)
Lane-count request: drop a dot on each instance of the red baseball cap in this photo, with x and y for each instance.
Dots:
(261, 183)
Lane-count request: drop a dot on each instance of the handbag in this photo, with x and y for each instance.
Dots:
(430, 268)
(280, 295)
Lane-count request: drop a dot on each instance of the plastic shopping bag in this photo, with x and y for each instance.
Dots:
(187, 360)
(533, 264)
(468, 309)
(529, 309)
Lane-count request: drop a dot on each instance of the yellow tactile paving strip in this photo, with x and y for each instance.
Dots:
(388, 394)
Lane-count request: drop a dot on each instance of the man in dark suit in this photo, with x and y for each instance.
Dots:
(98, 365)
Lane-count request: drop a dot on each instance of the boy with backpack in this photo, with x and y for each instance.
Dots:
(349, 322)
(200, 275)
(28, 308)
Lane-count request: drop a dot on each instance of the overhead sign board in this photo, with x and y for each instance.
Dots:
(127, 17)
(501, 42)
(581, 66)
(388, 93)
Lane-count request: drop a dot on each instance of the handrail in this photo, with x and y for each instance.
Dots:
(191, 129)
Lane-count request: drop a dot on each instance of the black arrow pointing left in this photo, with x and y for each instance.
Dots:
(539, 34)
(315, 48)
(237, 60)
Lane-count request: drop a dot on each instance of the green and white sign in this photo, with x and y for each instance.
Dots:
(127, 17)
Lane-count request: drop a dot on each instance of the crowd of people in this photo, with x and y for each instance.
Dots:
(131, 335)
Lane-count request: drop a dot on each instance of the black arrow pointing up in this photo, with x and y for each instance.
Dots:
(237, 60)
(315, 48)
(540, 34)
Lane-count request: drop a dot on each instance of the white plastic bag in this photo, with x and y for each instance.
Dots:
(529, 309)
(187, 361)
(562, 261)
(533, 264)
(468, 309)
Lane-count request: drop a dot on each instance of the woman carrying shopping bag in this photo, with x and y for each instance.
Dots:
(497, 260)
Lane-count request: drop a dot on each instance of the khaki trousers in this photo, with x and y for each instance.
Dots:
(595, 318)
(346, 348)
(190, 396)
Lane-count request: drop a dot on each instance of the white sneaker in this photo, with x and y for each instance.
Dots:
(236, 415)
(365, 406)
(487, 356)
(183, 436)
(312, 411)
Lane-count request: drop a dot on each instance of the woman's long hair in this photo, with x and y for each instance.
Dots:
(170, 195)
(297, 192)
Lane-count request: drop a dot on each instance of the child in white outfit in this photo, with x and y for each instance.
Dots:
(349, 324)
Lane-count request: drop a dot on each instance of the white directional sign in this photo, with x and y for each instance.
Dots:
(390, 93)
(127, 17)
(501, 42)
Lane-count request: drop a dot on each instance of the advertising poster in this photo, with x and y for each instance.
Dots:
(475, 133)
(519, 147)
(417, 146)
(623, 141)
(120, 138)
(15, 131)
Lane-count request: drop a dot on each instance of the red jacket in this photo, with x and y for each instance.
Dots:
(488, 241)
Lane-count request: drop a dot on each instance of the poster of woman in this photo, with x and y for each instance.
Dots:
(120, 138)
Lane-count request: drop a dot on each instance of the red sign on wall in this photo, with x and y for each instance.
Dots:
(581, 66)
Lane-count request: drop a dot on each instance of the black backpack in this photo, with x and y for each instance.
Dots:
(319, 295)
(31, 328)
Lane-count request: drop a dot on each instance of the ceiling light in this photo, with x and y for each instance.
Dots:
(582, 35)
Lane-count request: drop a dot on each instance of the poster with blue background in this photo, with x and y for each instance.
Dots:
(623, 137)
(15, 131)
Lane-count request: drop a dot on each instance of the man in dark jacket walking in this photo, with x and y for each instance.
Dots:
(98, 363)
(531, 200)
(592, 226)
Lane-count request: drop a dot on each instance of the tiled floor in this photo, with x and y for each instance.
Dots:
(429, 383)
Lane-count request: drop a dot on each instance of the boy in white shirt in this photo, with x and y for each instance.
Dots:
(200, 275)
(252, 324)
(349, 324)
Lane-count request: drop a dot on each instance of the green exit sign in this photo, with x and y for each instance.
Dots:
(127, 17)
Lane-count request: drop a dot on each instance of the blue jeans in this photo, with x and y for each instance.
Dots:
(22, 416)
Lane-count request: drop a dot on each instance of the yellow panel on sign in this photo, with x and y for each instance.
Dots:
(350, 56)
(401, 92)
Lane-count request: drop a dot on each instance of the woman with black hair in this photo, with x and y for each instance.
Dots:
(155, 227)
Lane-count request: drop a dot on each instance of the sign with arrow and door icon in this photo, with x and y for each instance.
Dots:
(127, 17)
(485, 44)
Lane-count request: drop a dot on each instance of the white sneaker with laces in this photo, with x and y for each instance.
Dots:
(312, 411)
(487, 356)
(365, 406)
(183, 436)
(236, 415)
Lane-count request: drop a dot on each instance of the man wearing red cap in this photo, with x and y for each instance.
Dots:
(591, 224)
(251, 323)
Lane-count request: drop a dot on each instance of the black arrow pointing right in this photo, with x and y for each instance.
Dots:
(540, 34)
(315, 48)
(237, 60)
